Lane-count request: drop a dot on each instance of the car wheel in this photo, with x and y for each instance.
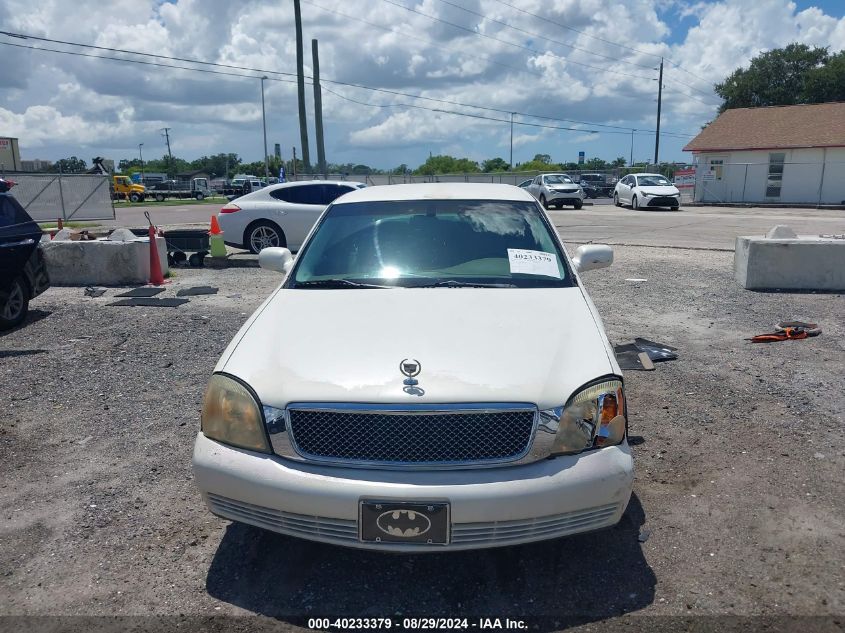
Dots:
(159, 197)
(674, 208)
(616, 200)
(14, 305)
(134, 197)
(543, 202)
(200, 195)
(634, 204)
(579, 204)
(263, 234)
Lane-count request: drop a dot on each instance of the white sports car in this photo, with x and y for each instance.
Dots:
(646, 190)
(279, 215)
(430, 375)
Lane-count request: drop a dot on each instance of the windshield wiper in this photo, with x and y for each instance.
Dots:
(454, 283)
(336, 283)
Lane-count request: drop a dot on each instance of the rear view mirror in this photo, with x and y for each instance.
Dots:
(591, 257)
(275, 258)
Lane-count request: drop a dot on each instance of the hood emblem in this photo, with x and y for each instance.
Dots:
(403, 523)
(411, 368)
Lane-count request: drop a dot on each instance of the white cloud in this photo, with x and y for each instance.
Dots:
(57, 103)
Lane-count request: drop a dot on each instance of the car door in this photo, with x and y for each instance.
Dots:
(534, 187)
(305, 204)
(19, 237)
(625, 189)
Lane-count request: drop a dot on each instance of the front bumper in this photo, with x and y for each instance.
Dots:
(488, 507)
(560, 197)
(661, 201)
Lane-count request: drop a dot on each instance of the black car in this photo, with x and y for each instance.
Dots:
(595, 186)
(23, 272)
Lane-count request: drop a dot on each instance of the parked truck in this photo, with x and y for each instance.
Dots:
(122, 188)
(197, 188)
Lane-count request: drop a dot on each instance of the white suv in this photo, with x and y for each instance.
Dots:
(557, 190)
(431, 374)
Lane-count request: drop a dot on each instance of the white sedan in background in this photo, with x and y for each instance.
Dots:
(646, 190)
(279, 215)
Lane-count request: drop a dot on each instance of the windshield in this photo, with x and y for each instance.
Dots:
(425, 243)
(653, 181)
(557, 179)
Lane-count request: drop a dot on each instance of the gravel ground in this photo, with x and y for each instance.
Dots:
(739, 469)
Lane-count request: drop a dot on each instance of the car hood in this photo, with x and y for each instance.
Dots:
(474, 345)
(660, 191)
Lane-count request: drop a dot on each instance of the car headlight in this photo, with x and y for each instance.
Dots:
(592, 418)
(231, 414)
(646, 194)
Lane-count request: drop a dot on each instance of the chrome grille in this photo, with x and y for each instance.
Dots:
(412, 436)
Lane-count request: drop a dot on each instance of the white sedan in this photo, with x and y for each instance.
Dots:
(279, 215)
(391, 394)
(646, 190)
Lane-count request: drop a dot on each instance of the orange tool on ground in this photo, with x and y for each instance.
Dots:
(788, 330)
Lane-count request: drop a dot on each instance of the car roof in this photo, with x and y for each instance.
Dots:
(661, 175)
(438, 191)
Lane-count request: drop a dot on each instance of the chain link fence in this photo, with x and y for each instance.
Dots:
(48, 197)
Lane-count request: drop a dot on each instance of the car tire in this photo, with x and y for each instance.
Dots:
(674, 208)
(616, 200)
(544, 203)
(199, 195)
(14, 304)
(134, 197)
(579, 204)
(159, 197)
(635, 205)
(263, 232)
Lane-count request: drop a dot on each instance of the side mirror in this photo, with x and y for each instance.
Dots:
(591, 257)
(275, 258)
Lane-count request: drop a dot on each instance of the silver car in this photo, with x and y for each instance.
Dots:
(557, 190)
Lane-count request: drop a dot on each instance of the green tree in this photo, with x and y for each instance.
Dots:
(215, 165)
(447, 165)
(596, 163)
(543, 158)
(619, 162)
(826, 83)
(72, 165)
(494, 164)
(776, 77)
(538, 165)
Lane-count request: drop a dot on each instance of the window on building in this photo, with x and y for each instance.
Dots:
(716, 166)
(775, 177)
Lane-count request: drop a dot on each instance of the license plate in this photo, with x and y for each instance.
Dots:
(397, 522)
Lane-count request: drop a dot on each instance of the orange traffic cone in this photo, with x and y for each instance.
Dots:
(215, 226)
(156, 278)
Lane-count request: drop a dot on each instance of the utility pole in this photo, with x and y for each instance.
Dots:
(659, 103)
(631, 162)
(293, 164)
(511, 161)
(300, 85)
(318, 109)
(141, 154)
(264, 124)
(166, 135)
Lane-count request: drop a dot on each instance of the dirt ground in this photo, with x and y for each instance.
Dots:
(738, 502)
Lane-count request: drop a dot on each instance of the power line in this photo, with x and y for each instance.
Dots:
(514, 44)
(267, 71)
(543, 37)
(600, 39)
(486, 58)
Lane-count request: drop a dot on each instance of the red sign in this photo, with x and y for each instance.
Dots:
(685, 178)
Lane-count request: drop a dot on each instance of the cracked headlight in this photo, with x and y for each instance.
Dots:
(231, 414)
(592, 418)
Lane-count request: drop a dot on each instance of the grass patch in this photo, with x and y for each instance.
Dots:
(151, 202)
(67, 225)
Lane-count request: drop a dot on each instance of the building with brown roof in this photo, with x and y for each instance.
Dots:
(781, 154)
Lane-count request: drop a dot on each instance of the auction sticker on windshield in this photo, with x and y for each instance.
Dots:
(529, 262)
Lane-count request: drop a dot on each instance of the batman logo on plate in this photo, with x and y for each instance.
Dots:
(403, 523)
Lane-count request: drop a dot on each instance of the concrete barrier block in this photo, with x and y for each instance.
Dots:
(102, 262)
(802, 263)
